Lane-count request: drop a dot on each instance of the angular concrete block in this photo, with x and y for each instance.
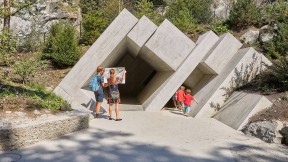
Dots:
(105, 51)
(240, 107)
(167, 48)
(244, 66)
(164, 92)
(221, 53)
(139, 35)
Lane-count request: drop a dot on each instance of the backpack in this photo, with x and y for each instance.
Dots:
(94, 84)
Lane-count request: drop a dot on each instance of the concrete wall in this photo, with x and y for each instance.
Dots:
(167, 48)
(107, 50)
(23, 135)
(162, 95)
(217, 90)
(240, 107)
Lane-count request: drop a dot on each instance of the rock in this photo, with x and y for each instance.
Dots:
(221, 8)
(284, 133)
(8, 112)
(20, 114)
(36, 112)
(250, 37)
(265, 130)
(49, 89)
(279, 137)
(266, 37)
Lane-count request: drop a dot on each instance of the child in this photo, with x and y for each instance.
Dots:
(187, 101)
(180, 97)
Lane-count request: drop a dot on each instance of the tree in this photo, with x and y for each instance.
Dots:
(61, 46)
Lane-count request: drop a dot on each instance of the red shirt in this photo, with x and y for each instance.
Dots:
(180, 95)
(187, 100)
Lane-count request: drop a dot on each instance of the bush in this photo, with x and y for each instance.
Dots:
(276, 12)
(61, 46)
(198, 10)
(25, 68)
(279, 45)
(144, 7)
(276, 78)
(244, 13)
(94, 23)
(7, 46)
(218, 27)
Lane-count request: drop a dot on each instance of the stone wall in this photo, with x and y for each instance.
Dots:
(15, 137)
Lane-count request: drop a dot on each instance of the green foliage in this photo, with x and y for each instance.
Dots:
(32, 42)
(25, 68)
(197, 10)
(7, 46)
(144, 7)
(279, 45)
(94, 23)
(244, 13)
(97, 15)
(35, 96)
(276, 78)
(61, 46)
(276, 12)
(184, 21)
(219, 27)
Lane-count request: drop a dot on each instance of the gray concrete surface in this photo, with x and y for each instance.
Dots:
(164, 92)
(244, 66)
(240, 107)
(151, 136)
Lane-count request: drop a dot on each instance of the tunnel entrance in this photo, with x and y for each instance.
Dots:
(199, 77)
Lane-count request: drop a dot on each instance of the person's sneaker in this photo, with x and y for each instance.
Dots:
(97, 116)
(118, 119)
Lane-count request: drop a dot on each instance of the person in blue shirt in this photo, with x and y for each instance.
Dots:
(99, 95)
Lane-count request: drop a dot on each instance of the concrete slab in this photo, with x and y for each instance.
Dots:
(221, 53)
(105, 51)
(244, 66)
(139, 35)
(151, 136)
(167, 48)
(165, 91)
(240, 107)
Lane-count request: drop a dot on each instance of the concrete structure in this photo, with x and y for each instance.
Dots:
(240, 107)
(18, 136)
(244, 66)
(158, 60)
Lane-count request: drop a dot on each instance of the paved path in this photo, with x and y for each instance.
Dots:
(151, 136)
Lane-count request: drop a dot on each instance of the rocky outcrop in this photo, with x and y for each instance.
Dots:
(42, 15)
(221, 8)
(266, 33)
(265, 130)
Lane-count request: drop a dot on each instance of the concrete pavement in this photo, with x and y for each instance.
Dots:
(151, 136)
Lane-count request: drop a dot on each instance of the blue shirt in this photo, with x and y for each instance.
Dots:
(100, 80)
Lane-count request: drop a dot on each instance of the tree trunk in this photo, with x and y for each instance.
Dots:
(7, 15)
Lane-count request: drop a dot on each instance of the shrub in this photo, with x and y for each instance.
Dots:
(279, 45)
(61, 46)
(276, 78)
(198, 10)
(276, 12)
(244, 13)
(7, 46)
(94, 23)
(144, 7)
(25, 68)
(218, 27)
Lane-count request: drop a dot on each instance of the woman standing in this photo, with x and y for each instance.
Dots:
(114, 94)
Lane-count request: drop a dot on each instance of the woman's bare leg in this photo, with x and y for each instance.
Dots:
(117, 110)
(110, 110)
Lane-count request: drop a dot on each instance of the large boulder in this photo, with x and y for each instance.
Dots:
(265, 130)
(284, 133)
(250, 37)
(221, 8)
(266, 33)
